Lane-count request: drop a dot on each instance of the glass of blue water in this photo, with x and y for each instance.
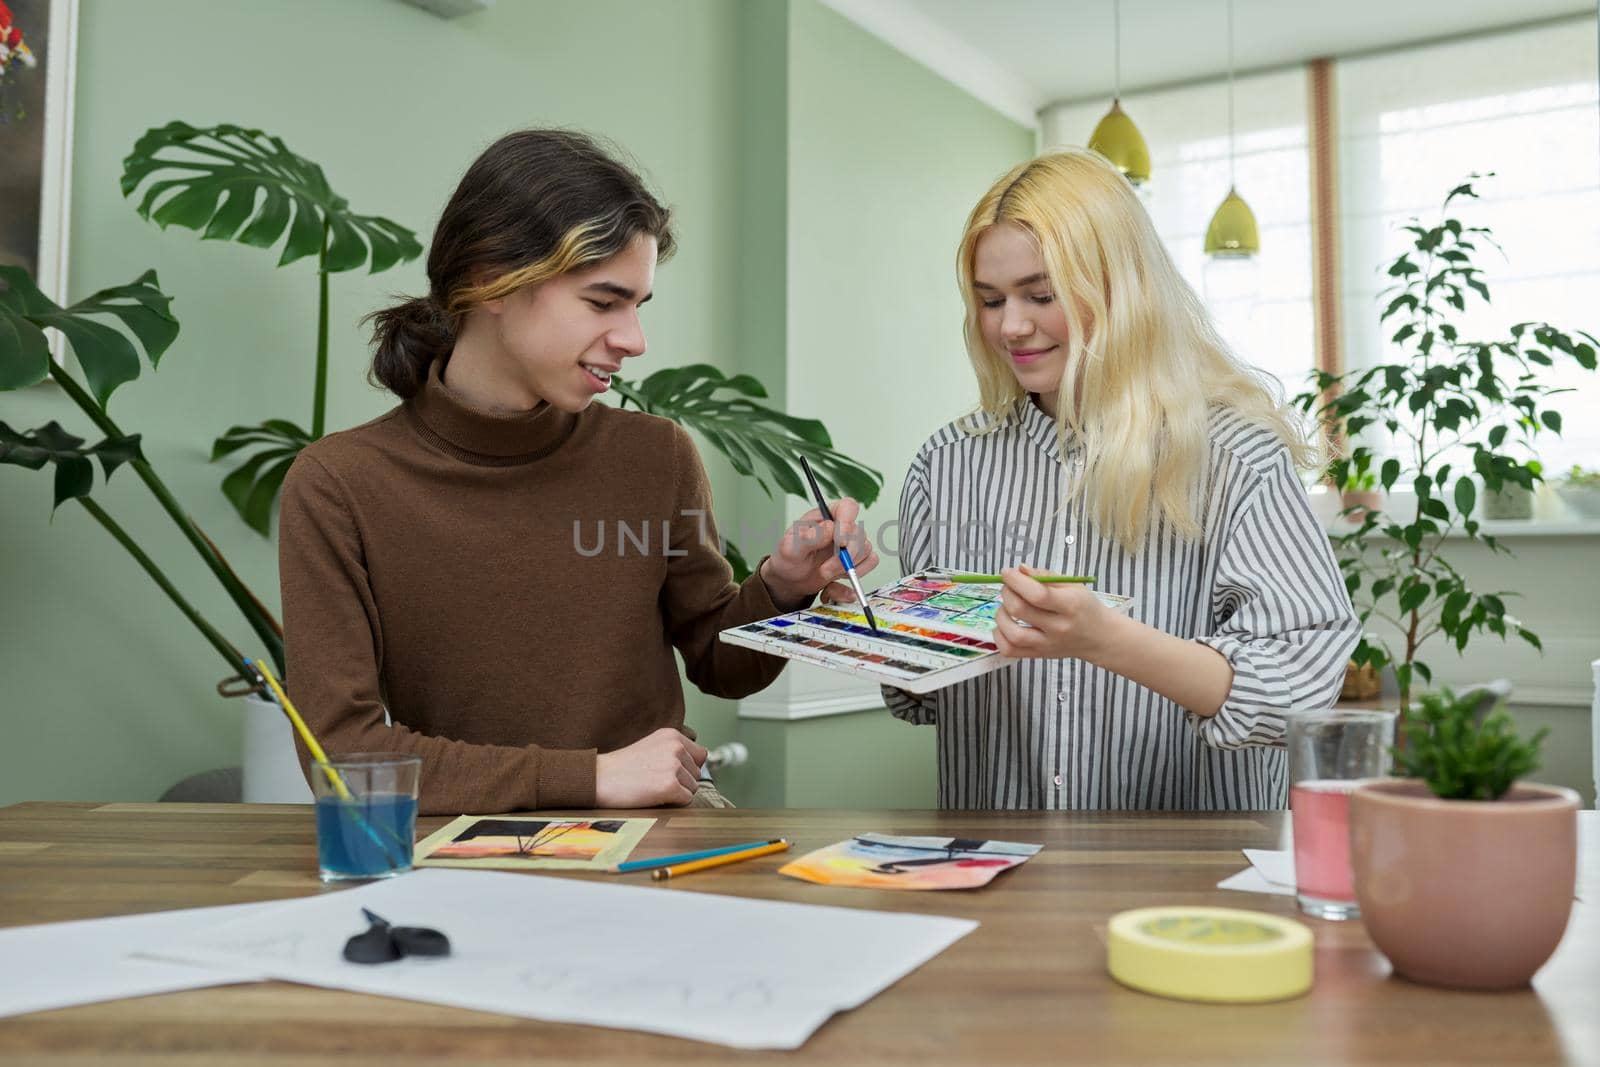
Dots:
(366, 815)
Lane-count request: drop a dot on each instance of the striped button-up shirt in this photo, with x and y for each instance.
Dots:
(1261, 587)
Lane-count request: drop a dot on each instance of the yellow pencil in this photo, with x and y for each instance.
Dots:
(321, 757)
(300, 726)
(717, 861)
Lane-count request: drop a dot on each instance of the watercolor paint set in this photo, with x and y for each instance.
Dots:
(932, 632)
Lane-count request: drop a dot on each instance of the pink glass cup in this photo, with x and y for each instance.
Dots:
(1330, 753)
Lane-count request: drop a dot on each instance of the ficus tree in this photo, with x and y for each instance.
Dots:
(1441, 395)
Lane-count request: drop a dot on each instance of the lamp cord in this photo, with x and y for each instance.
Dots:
(1116, 50)
(1231, 183)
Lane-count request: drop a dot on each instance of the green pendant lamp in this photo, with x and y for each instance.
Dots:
(1116, 137)
(1232, 233)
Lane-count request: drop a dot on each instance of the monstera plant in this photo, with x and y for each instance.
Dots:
(760, 442)
(108, 358)
(230, 183)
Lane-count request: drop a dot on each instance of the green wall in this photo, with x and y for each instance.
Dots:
(819, 180)
(885, 159)
(866, 760)
(761, 310)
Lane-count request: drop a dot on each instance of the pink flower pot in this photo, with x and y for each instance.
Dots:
(1465, 893)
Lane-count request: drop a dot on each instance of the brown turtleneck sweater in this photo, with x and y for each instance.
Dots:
(481, 577)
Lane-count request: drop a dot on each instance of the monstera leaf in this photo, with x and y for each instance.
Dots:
(72, 458)
(107, 356)
(50, 444)
(760, 442)
(230, 183)
(238, 184)
(254, 484)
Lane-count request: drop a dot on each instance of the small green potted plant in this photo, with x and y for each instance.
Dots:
(1579, 489)
(1511, 501)
(1361, 496)
(1465, 875)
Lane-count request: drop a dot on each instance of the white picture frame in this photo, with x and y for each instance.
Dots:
(57, 55)
(55, 215)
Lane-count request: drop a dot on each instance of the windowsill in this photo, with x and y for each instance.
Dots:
(1552, 516)
(1504, 528)
(1570, 699)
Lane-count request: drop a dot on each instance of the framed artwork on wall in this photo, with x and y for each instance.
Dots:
(37, 73)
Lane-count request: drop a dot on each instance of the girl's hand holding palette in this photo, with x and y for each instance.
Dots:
(933, 631)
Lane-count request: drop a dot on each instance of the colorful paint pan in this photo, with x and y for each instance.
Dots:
(955, 602)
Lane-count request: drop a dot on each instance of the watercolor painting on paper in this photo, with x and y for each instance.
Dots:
(879, 861)
(532, 842)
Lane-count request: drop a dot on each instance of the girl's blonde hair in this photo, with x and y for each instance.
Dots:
(1145, 365)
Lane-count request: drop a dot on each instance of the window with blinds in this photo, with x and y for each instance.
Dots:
(1520, 104)
(1262, 306)
(1409, 125)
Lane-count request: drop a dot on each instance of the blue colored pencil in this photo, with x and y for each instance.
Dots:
(685, 857)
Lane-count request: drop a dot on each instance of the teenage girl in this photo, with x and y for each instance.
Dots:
(1117, 437)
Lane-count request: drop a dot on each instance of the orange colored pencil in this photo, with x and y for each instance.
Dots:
(717, 861)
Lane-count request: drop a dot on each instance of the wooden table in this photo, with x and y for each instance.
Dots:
(1028, 986)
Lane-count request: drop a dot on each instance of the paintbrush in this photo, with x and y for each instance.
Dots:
(844, 553)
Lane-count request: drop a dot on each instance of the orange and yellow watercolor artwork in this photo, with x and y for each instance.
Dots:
(879, 861)
(532, 842)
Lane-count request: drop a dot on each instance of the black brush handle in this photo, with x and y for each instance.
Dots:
(816, 491)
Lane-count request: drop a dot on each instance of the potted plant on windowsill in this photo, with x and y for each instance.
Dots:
(1465, 875)
(1510, 503)
(1579, 489)
(1360, 495)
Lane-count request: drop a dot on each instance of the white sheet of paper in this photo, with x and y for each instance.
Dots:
(1270, 871)
(58, 965)
(1275, 866)
(745, 973)
(1273, 872)
(1251, 880)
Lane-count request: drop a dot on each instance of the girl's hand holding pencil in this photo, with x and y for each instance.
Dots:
(1044, 619)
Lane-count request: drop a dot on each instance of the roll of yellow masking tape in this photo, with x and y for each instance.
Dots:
(1224, 955)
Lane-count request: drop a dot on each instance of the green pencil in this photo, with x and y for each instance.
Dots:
(995, 579)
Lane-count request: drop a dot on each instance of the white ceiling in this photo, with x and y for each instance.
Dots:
(1018, 53)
